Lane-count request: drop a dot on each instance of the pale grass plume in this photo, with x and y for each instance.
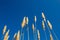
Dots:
(17, 36)
(6, 38)
(43, 16)
(38, 34)
(33, 27)
(51, 37)
(49, 24)
(23, 22)
(43, 25)
(27, 20)
(6, 35)
(4, 30)
(35, 19)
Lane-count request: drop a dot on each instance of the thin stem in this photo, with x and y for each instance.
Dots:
(52, 30)
(45, 35)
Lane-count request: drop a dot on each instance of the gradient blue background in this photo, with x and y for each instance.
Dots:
(13, 11)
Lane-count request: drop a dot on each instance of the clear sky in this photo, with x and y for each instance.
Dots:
(13, 11)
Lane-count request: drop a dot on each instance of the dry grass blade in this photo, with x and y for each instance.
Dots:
(17, 37)
(6, 35)
(51, 38)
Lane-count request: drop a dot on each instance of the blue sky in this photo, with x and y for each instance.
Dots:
(13, 11)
